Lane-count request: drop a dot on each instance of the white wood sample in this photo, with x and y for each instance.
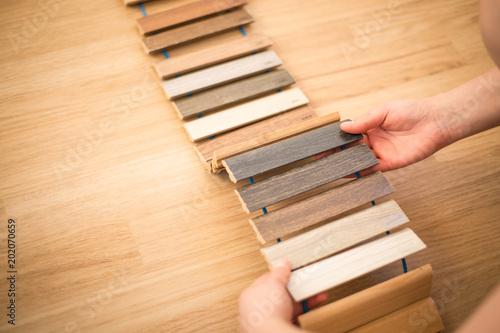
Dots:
(220, 74)
(331, 272)
(337, 235)
(245, 114)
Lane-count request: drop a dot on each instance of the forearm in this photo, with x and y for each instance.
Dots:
(470, 108)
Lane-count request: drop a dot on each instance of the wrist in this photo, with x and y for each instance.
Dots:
(448, 120)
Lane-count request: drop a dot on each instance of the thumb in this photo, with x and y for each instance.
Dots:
(281, 271)
(372, 119)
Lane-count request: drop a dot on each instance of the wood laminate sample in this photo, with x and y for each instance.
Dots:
(370, 304)
(287, 151)
(269, 138)
(419, 317)
(220, 74)
(196, 30)
(328, 273)
(205, 150)
(320, 207)
(247, 113)
(172, 17)
(336, 236)
(213, 55)
(305, 177)
(232, 93)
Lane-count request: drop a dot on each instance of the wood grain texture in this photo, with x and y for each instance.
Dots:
(328, 273)
(269, 138)
(183, 14)
(305, 177)
(320, 207)
(419, 317)
(196, 30)
(206, 149)
(232, 93)
(133, 2)
(219, 74)
(212, 55)
(126, 210)
(247, 113)
(336, 236)
(370, 304)
(293, 149)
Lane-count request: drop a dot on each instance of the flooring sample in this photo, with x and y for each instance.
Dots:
(293, 149)
(420, 317)
(331, 272)
(234, 92)
(220, 74)
(336, 236)
(320, 207)
(268, 138)
(133, 2)
(196, 30)
(213, 55)
(205, 150)
(305, 177)
(172, 17)
(247, 113)
(370, 304)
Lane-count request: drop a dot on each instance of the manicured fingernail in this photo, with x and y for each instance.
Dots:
(281, 263)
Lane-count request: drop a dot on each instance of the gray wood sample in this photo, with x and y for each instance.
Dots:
(321, 207)
(287, 151)
(220, 74)
(305, 177)
(229, 94)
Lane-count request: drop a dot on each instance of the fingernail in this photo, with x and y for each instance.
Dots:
(281, 263)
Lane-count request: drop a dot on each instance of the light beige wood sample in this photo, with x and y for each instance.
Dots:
(196, 30)
(247, 113)
(183, 14)
(328, 273)
(370, 304)
(336, 236)
(133, 2)
(206, 149)
(419, 317)
(220, 74)
(269, 138)
(142, 186)
(212, 55)
(232, 93)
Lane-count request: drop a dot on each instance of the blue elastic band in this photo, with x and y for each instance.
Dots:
(343, 147)
(357, 175)
(142, 9)
(166, 54)
(305, 308)
(251, 180)
(373, 203)
(243, 31)
(264, 210)
(279, 90)
(212, 137)
(200, 116)
(278, 240)
(405, 269)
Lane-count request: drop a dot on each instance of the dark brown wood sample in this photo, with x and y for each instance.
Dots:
(206, 149)
(287, 151)
(321, 207)
(306, 177)
(170, 18)
(196, 30)
(229, 94)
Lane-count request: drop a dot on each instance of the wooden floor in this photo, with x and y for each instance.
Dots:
(120, 229)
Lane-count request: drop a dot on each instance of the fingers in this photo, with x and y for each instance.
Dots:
(281, 271)
(372, 119)
(311, 303)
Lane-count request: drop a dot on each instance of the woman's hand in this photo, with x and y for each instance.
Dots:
(266, 305)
